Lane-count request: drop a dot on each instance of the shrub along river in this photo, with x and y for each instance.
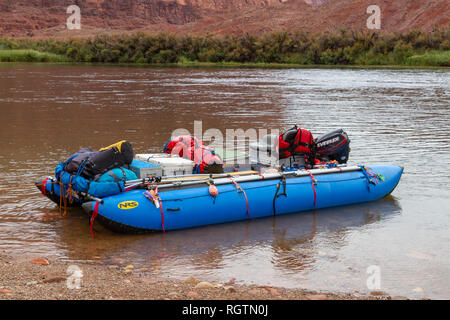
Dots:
(397, 117)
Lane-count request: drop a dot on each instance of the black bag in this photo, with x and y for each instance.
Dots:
(333, 146)
(98, 162)
(115, 156)
(75, 160)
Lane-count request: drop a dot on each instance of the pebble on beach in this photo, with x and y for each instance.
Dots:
(41, 261)
(191, 280)
(204, 285)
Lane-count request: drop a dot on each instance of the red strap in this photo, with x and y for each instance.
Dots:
(238, 187)
(314, 188)
(162, 214)
(94, 215)
(44, 186)
(372, 174)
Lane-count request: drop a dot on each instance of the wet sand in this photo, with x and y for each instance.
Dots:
(42, 279)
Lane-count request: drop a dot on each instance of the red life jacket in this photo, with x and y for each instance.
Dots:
(183, 146)
(206, 161)
(295, 141)
(189, 147)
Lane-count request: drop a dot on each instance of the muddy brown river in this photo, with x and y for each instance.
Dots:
(399, 117)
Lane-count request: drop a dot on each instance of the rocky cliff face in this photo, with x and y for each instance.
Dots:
(48, 17)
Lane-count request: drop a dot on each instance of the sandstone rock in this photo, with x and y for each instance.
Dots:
(317, 297)
(256, 291)
(191, 280)
(5, 291)
(230, 17)
(129, 267)
(41, 261)
(230, 282)
(54, 279)
(193, 294)
(271, 290)
(204, 285)
(378, 293)
(274, 291)
(229, 289)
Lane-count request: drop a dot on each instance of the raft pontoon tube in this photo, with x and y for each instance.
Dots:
(189, 204)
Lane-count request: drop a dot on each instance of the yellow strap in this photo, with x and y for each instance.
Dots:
(118, 145)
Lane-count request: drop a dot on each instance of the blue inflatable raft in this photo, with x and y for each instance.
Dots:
(179, 204)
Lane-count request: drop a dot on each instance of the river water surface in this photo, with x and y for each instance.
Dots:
(397, 117)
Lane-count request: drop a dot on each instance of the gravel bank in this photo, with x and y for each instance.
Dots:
(26, 278)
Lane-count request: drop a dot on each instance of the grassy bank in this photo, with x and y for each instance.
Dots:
(433, 58)
(30, 56)
(343, 48)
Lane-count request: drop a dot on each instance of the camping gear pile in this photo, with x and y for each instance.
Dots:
(189, 147)
(91, 174)
(296, 149)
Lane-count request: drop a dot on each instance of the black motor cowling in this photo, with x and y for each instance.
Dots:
(333, 146)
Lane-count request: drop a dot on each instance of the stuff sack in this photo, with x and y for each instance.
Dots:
(80, 184)
(333, 146)
(189, 147)
(116, 175)
(91, 164)
(72, 165)
(106, 159)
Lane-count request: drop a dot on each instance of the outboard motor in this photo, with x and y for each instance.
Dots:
(333, 146)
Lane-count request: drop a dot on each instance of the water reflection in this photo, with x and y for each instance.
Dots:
(289, 239)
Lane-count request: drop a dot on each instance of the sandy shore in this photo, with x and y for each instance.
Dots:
(27, 278)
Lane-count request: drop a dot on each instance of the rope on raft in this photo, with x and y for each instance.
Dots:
(283, 180)
(154, 197)
(240, 190)
(94, 215)
(313, 184)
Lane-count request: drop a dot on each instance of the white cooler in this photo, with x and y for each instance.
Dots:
(171, 165)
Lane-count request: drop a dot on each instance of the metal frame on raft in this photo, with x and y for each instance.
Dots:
(225, 178)
(228, 178)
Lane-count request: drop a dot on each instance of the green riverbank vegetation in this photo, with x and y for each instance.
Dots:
(27, 55)
(415, 48)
